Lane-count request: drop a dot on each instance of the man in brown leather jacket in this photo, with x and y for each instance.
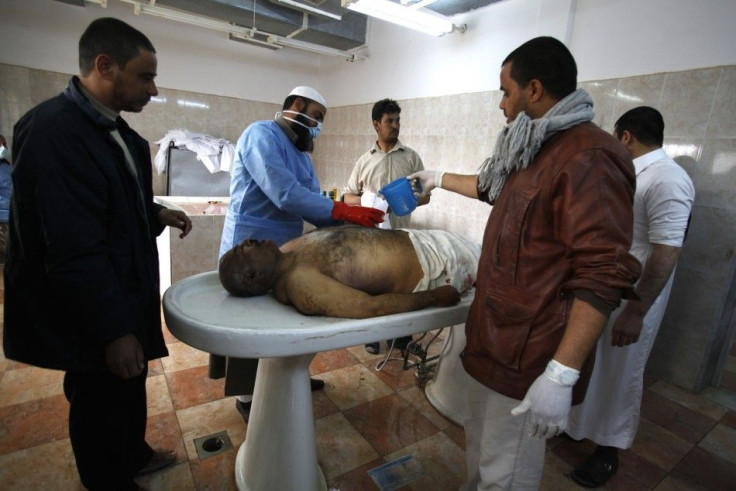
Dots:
(554, 263)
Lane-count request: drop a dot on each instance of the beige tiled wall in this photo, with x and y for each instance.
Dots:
(455, 133)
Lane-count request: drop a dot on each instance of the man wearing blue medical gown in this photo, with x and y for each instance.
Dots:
(273, 189)
(274, 186)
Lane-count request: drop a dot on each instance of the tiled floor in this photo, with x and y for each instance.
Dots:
(363, 418)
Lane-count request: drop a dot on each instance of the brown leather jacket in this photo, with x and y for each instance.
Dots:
(560, 228)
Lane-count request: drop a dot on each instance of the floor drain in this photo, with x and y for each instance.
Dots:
(211, 445)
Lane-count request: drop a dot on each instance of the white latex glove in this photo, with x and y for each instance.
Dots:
(549, 400)
(428, 179)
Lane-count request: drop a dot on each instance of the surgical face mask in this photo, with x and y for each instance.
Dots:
(4, 152)
(314, 131)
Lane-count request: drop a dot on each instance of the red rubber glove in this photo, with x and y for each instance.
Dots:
(362, 215)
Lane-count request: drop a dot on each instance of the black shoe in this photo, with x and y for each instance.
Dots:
(596, 471)
(244, 409)
(316, 384)
(372, 348)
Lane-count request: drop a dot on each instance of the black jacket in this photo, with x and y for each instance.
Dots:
(82, 263)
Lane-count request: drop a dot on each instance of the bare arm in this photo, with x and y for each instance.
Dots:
(581, 334)
(657, 270)
(351, 199)
(313, 293)
(467, 185)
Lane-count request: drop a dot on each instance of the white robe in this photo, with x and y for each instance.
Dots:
(610, 413)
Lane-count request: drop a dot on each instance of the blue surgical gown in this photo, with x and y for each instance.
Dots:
(273, 189)
(6, 185)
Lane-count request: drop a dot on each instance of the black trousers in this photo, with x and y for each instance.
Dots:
(107, 428)
(239, 373)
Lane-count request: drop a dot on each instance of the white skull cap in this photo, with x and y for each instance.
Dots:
(309, 93)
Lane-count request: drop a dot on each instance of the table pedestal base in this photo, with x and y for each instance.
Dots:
(279, 451)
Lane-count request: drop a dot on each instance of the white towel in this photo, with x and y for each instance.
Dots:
(216, 154)
(372, 200)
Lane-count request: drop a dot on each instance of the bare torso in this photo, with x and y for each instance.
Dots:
(371, 260)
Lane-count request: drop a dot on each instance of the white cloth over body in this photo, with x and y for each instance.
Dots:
(609, 415)
(446, 259)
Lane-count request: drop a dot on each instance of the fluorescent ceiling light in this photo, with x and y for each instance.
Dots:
(314, 48)
(414, 18)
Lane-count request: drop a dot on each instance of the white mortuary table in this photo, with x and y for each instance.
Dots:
(279, 451)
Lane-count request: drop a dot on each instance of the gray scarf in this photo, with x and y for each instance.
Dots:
(519, 141)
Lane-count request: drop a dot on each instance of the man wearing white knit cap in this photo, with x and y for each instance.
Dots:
(273, 190)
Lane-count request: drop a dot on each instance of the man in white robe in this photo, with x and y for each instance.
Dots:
(609, 416)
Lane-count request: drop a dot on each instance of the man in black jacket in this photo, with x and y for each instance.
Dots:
(81, 278)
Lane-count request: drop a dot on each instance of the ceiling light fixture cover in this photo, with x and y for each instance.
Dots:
(414, 18)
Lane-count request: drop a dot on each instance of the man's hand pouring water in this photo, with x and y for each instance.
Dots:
(428, 180)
